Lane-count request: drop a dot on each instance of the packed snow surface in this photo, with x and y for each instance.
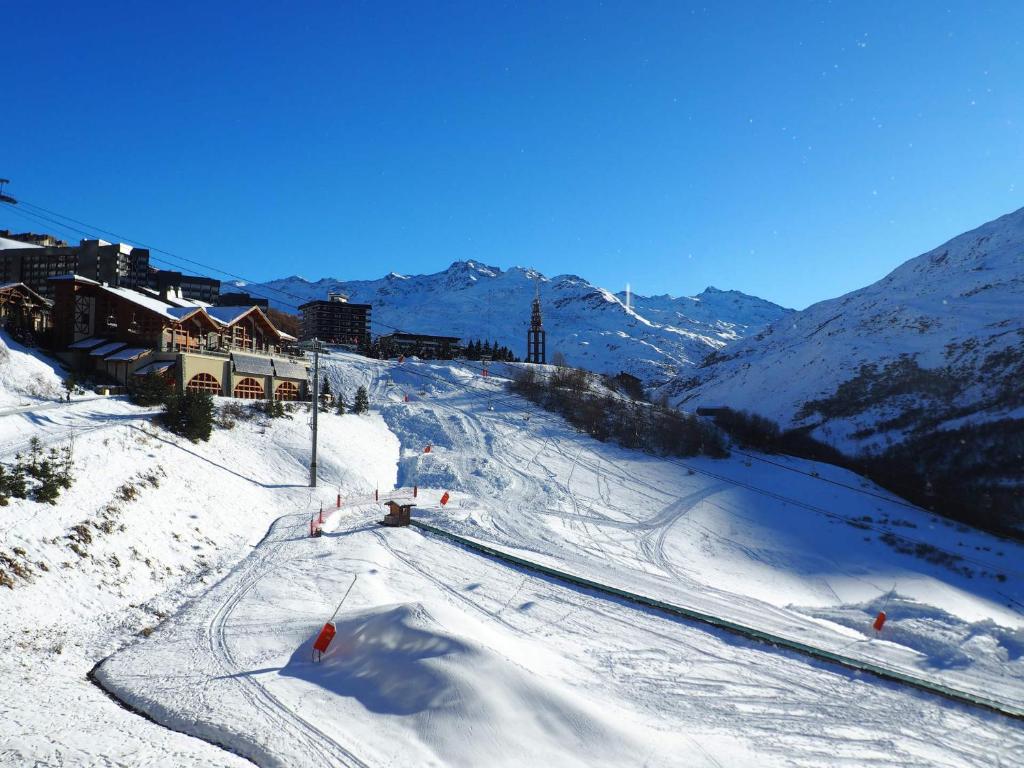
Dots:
(444, 657)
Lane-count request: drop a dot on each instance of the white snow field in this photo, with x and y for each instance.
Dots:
(447, 657)
(161, 521)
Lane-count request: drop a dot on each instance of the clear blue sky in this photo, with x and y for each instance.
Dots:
(795, 151)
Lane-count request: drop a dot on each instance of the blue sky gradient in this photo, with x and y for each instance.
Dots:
(794, 151)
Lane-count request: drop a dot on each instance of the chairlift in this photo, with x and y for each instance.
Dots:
(112, 320)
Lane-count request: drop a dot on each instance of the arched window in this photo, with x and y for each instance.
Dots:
(249, 389)
(203, 382)
(286, 391)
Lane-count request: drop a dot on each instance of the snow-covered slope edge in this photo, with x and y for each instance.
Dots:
(937, 345)
(150, 522)
(655, 338)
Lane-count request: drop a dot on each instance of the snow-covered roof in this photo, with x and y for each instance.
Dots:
(228, 315)
(176, 301)
(107, 348)
(23, 287)
(290, 369)
(158, 367)
(75, 278)
(258, 366)
(8, 243)
(131, 353)
(152, 304)
(88, 343)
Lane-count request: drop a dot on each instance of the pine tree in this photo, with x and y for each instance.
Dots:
(151, 389)
(4, 487)
(362, 403)
(17, 485)
(67, 465)
(197, 415)
(35, 455)
(341, 405)
(189, 414)
(325, 387)
(48, 489)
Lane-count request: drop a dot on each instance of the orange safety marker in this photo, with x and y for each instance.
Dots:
(339, 501)
(321, 512)
(444, 499)
(407, 398)
(323, 640)
(427, 449)
(879, 621)
(414, 489)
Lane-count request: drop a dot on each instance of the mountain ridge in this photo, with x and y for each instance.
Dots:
(654, 339)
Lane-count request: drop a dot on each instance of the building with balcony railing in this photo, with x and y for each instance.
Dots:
(118, 333)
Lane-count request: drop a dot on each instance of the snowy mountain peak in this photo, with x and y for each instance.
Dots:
(937, 341)
(590, 325)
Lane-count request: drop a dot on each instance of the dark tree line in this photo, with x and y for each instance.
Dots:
(477, 350)
(574, 394)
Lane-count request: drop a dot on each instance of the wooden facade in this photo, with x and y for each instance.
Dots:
(24, 313)
(117, 331)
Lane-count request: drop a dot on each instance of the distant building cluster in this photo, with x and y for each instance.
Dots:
(109, 315)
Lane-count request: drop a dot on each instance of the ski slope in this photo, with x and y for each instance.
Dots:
(444, 657)
(763, 543)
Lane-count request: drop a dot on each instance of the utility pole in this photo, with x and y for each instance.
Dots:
(315, 346)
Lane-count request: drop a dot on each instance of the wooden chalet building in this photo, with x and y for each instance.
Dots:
(123, 332)
(24, 313)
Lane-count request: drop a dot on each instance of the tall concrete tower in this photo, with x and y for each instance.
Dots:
(536, 339)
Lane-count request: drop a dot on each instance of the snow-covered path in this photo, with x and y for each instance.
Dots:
(443, 657)
(446, 658)
(792, 547)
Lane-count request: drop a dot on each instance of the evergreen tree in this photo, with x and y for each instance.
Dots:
(67, 465)
(48, 489)
(189, 414)
(17, 485)
(151, 389)
(362, 403)
(4, 486)
(341, 405)
(325, 387)
(197, 415)
(70, 384)
(35, 455)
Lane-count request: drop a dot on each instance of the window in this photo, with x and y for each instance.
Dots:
(204, 382)
(249, 389)
(286, 391)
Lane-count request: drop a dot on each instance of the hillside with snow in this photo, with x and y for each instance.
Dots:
(655, 338)
(181, 578)
(937, 343)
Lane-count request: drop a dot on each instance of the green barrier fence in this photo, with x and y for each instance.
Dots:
(733, 627)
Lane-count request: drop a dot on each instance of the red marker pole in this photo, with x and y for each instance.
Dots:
(321, 513)
(339, 500)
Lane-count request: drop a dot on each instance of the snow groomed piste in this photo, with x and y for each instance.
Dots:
(730, 626)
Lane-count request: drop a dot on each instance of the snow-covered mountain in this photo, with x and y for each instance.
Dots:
(935, 345)
(655, 338)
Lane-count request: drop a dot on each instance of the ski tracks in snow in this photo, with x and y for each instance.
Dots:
(317, 747)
